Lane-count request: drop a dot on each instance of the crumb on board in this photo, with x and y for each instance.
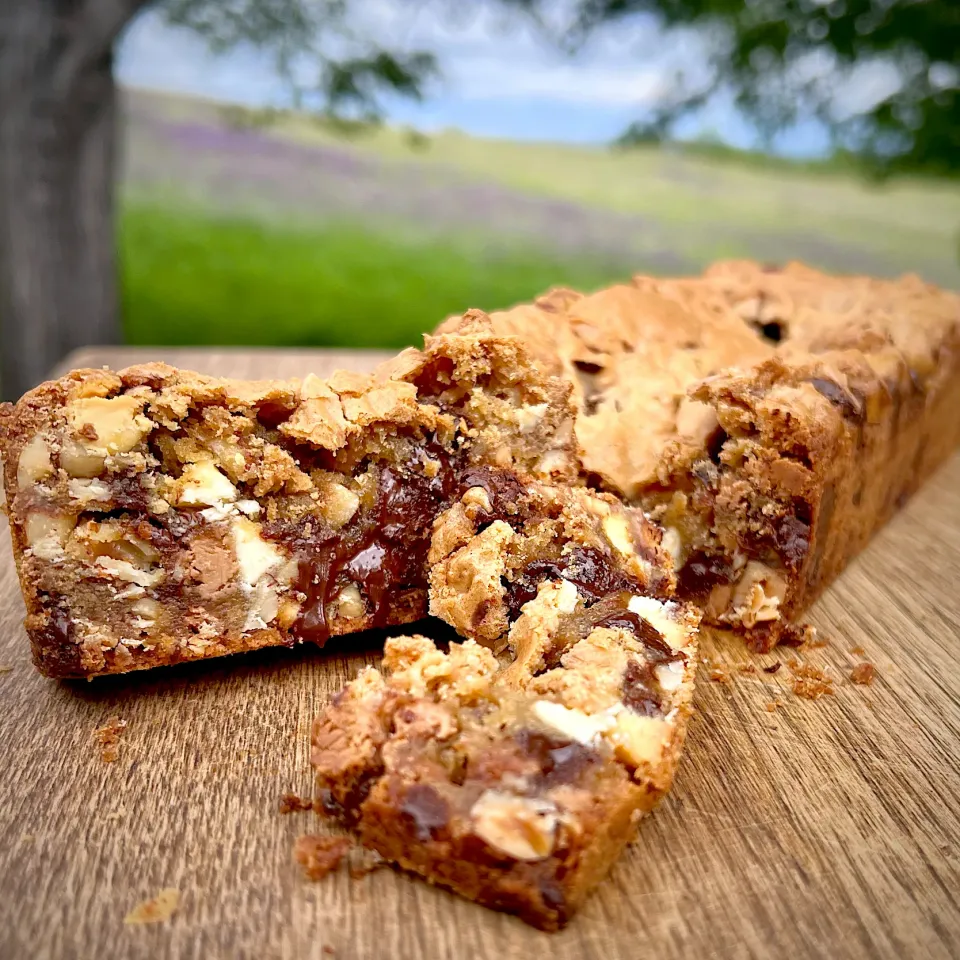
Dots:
(809, 682)
(319, 856)
(773, 667)
(863, 674)
(107, 738)
(718, 672)
(291, 803)
(371, 863)
(6, 668)
(774, 705)
(748, 668)
(858, 651)
(156, 909)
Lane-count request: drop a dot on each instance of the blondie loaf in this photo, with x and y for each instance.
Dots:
(160, 516)
(770, 419)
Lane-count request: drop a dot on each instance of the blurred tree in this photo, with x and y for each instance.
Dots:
(58, 143)
(884, 75)
(58, 103)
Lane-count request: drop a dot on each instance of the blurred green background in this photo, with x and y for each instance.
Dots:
(239, 227)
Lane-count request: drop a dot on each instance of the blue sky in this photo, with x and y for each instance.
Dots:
(499, 77)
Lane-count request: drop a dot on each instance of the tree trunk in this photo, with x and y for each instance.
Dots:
(58, 111)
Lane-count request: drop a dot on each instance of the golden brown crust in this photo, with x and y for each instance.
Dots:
(770, 419)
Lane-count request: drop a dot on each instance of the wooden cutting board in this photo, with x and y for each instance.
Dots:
(820, 829)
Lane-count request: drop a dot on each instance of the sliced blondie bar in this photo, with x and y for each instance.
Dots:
(517, 788)
(160, 516)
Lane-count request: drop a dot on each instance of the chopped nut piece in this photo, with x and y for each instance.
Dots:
(350, 604)
(521, 827)
(118, 424)
(34, 464)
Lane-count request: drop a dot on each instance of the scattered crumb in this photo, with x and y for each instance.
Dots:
(810, 683)
(373, 863)
(319, 856)
(815, 643)
(6, 668)
(773, 668)
(863, 673)
(328, 950)
(773, 705)
(748, 668)
(291, 803)
(719, 673)
(858, 651)
(107, 738)
(159, 908)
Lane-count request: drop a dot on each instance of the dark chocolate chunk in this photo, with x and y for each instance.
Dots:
(592, 572)
(701, 573)
(639, 690)
(658, 650)
(845, 402)
(426, 809)
(559, 761)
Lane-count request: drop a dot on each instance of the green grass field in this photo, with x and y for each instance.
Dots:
(191, 275)
(290, 235)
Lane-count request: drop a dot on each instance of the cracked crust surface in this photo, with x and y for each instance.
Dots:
(771, 419)
(160, 515)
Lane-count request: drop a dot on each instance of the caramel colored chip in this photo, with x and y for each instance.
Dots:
(156, 909)
(863, 673)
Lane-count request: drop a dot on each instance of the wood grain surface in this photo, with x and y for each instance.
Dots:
(821, 829)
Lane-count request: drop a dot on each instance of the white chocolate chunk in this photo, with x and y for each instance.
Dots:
(616, 528)
(203, 485)
(661, 615)
(126, 571)
(670, 675)
(255, 557)
(572, 723)
(86, 491)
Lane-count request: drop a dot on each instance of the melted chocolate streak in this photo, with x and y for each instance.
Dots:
(385, 551)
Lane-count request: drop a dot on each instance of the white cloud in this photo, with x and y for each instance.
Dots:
(483, 55)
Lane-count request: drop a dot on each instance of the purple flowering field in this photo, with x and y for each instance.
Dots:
(219, 217)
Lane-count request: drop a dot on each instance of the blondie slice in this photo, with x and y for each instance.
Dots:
(517, 788)
(770, 419)
(160, 516)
